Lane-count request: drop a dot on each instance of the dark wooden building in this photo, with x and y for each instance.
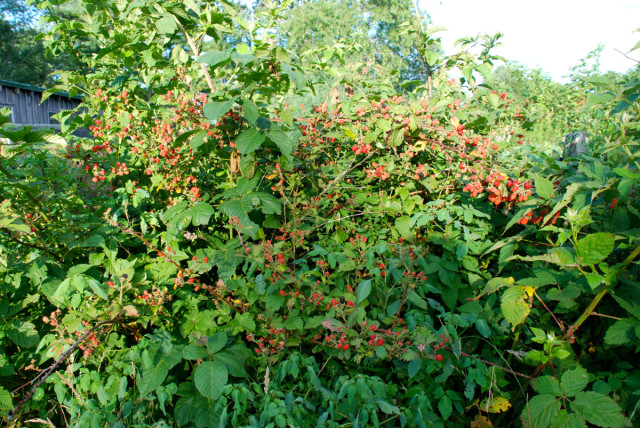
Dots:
(26, 107)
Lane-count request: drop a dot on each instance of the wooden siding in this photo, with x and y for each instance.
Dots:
(26, 106)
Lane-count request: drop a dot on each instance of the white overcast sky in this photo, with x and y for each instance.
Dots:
(550, 35)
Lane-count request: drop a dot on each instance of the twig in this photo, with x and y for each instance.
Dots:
(42, 377)
(464, 354)
(626, 56)
(196, 53)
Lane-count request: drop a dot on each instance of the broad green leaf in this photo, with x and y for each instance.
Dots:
(250, 111)
(6, 402)
(414, 367)
(483, 328)
(544, 187)
(201, 212)
(548, 385)
(194, 352)
(215, 109)
(594, 248)
(445, 407)
(514, 305)
(540, 410)
(574, 381)
(249, 140)
(210, 377)
(598, 409)
(23, 334)
(233, 359)
(216, 342)
(282, 140)
(621, 332)
(166, 24)
(364, 289)
(215, 58)
(153, 377)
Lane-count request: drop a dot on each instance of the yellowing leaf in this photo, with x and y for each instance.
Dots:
(495, 405)
(529, 290)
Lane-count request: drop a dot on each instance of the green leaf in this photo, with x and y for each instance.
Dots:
(594, 248)
(282, 140)
(6, 402)
(250, 111)
(387, 408)
(194, 352)
(153, 377)
(540, 410)
(364, 289)
(210, 377)
(250, 140)
(23, 334)
(414, 367)
(216, 342)
(544, 187)
(483, 328)
(445, 407)
(215, 109)
(95, 286)
(574, 381)
(598, 409)
(166, 25)
(514, 305)
(548, 385)
(215, 58)
(233, 359)
(621, 332)
(201, 212)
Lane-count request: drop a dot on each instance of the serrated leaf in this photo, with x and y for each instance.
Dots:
(233, 359)
(250, 140)
(153, 377)
(598, 409)
(514, 305)
(544, 187)
(216, 342)
(594, 248)
(548, 385)
(540, 410)
(282, 140)
(6, 402)
(250, 111)
(621, 332)
(210, 377)
(495, 405)
(201, 212)
(215, 109)
(194, 352)
(215, 58)
(574, 381)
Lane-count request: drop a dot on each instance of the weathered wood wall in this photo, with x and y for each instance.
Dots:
(26, 106)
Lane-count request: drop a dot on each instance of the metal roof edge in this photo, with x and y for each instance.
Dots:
(35, 88)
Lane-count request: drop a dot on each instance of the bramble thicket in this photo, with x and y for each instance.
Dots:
(270, 231)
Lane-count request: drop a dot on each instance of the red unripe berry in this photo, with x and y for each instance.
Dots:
(206, 259)
(527, 185)
(283, 293)
(194, 258)
(438, 358)
(345, 346)
(372, 328)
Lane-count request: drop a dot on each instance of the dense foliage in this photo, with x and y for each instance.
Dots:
(219, 256)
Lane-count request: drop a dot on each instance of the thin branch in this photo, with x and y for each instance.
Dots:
(196, 52)
(42, 377)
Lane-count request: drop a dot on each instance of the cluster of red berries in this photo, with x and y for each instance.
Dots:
(271, 344)
(361, 149)
(338, 343)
